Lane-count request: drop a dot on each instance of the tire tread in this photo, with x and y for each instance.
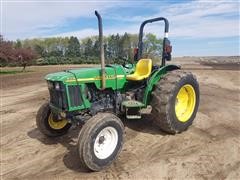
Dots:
(161, 95)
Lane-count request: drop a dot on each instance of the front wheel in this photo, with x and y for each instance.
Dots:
(48, 125)
(100, 141)
(175, 101)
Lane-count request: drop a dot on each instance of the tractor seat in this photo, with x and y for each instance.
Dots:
(142, 71)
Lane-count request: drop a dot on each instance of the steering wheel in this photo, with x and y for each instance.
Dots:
(127, 63)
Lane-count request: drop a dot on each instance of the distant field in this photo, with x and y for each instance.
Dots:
(212, 60)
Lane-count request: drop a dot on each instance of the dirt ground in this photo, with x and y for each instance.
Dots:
(210, 149)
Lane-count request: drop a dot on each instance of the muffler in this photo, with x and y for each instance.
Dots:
(101, 50)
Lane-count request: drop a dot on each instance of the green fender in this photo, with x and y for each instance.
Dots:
(155, 77)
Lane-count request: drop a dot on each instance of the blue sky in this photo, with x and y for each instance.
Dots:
(197, 28)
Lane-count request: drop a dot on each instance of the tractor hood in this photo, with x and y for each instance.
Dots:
(70, 74)
(91, 75)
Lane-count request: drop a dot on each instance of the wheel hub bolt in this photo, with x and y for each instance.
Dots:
(101, 140)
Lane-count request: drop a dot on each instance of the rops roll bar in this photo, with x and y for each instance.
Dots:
(165, 40)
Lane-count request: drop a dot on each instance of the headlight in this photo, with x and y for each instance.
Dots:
(57, 86)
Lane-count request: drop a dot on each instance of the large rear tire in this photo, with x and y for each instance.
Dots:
(175, 101)
(48, 125)
(100, 141)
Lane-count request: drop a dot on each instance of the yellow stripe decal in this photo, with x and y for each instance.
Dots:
(94, 79)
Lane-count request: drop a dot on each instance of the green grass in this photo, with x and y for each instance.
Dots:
(2, 72)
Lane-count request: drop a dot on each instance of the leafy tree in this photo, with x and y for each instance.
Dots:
(110, 48)
(125, 46)
(117, 45)
(152, 46)
(64, 50)
(88, 47)
(39, 50)
(96, 48)
(18, 44)
(73, 49)
(25, 56)
(10, 54)
(7, 54)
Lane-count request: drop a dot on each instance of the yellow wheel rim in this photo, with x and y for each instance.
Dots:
(185, 103)
(56, 124)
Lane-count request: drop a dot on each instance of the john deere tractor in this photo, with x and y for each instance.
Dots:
(98, 98)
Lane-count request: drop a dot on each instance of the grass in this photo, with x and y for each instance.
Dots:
(2, 72)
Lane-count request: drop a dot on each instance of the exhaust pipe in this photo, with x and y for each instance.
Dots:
(101, 49)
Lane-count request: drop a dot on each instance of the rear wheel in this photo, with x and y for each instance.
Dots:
(175, 101)
(100, 141)
(48, 125)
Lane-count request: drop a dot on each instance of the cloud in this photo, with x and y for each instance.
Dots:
(194, 19)
(35, 18)
(92, 32)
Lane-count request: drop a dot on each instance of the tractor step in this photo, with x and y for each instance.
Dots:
(132, 109)
(132, 103)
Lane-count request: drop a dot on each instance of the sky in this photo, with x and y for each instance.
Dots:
(197, 27)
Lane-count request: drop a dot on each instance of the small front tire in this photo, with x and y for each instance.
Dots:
(100, 141)
(47, 125)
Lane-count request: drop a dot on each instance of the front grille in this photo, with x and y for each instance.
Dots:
(74, 95)
(57, 96)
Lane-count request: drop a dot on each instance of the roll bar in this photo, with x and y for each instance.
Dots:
(140, 42)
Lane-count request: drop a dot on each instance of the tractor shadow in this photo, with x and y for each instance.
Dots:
(69, 141)
(144, 125)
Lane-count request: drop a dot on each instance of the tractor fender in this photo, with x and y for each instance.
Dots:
(154, 78)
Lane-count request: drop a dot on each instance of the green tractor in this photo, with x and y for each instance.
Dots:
(97, 98)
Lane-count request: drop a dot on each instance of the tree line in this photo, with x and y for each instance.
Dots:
(71, 50)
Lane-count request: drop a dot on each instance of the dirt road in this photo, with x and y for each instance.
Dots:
(210, 149)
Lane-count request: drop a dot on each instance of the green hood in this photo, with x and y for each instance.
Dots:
(67, 75)
(91, 75)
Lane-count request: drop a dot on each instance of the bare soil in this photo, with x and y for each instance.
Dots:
(209, 149)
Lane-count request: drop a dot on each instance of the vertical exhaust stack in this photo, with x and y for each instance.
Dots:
(101, 49)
